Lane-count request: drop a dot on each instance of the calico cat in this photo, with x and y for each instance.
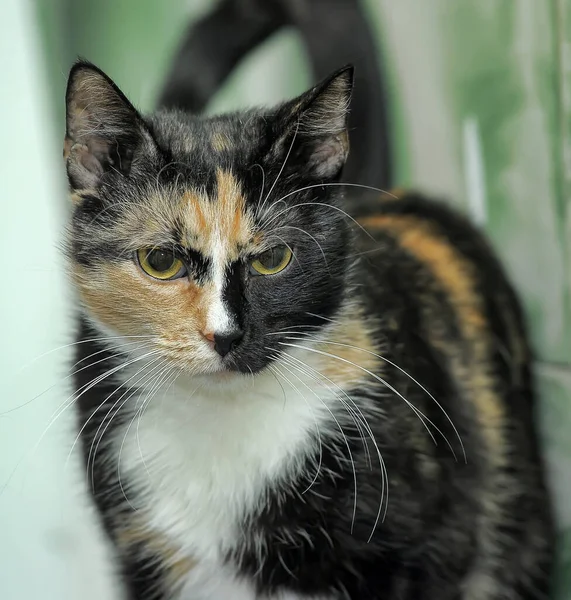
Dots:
(285, 393)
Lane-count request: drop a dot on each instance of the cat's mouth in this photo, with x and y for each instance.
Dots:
(222, 378)
(235, 358)
(209, 364)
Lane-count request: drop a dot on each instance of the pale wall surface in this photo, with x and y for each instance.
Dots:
(50, 548)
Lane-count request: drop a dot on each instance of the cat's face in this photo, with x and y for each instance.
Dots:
(209, 238)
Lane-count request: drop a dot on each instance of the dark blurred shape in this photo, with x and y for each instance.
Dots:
(335, 33)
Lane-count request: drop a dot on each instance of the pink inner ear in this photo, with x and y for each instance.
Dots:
(84, 167)
(87, 155)
(329, 155)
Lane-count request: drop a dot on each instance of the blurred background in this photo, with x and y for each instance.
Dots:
(478, 96)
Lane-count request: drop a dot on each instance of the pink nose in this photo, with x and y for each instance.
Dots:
(208, 335)
(223, 343)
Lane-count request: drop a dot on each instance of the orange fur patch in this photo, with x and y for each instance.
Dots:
(230, 206)
(221, 220)
(353, 346)
(456, 276)
(194, 204)
(176, 565)
(220, 141)
(131, 303)
(67, 144)
(77, 196)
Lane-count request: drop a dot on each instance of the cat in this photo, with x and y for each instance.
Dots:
(279, 399)
(284, 394)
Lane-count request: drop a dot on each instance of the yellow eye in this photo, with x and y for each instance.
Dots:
(271, 261)
(160, 263)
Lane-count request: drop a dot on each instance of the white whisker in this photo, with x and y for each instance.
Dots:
(355, 414)
(67, 403)
(281, 169)
(86, 387)
(413, 380)
(322, 204)
(99, 436)
(384, 473)
(275, 369)
(68, 376)
(151, 383)
(263, 182)
(345, 439)
(422, 417)
(147, 400)
(312, 237)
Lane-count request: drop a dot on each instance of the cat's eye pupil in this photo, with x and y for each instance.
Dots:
(273, 257)
(160, 263)
(271, 261)
(160, 260)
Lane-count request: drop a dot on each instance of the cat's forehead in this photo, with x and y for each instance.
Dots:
(205, 193)
(207, 222)
(216, 221)
(215, 140)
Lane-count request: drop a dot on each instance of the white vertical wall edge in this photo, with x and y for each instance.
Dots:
(474, 171)
(51, 547)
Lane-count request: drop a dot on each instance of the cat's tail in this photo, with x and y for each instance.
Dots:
(335, 32)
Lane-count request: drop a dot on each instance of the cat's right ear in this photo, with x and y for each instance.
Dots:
(103, 129)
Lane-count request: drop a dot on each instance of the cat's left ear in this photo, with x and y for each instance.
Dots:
(316, 127)
(103, 129)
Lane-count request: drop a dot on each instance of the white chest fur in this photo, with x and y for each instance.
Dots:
(200, 456)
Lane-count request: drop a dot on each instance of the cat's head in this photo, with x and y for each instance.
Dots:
(207, 237)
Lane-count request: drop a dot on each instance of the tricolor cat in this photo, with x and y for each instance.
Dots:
(284, 393)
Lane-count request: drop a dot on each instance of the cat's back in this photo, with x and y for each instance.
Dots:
(422, 252)
(433, 233)
(434, 287)
(425, 268)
